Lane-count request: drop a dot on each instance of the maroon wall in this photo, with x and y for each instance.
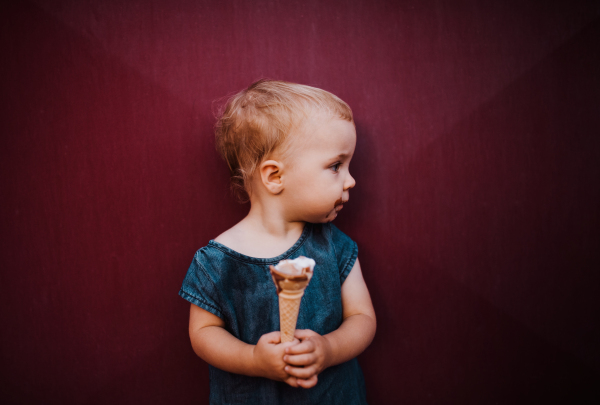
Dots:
(476, 209)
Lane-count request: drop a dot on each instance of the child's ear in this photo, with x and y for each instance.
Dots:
(271, 172)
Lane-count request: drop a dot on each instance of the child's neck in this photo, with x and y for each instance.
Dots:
(262, 233)
(269, 219)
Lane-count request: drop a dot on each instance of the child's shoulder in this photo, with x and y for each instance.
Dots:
(232, 238)
(241, 239)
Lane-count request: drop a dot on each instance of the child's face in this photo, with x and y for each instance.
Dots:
(318, 180)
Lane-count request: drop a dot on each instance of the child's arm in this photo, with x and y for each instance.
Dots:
(216, 346)
(316, 352)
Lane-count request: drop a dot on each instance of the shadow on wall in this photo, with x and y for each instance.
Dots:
(496, 237)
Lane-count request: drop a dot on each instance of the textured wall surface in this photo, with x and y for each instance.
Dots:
(476, 208)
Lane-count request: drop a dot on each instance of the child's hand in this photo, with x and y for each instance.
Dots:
(307, 359)
(268, 358)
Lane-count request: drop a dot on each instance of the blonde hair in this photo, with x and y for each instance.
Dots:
(257, 121)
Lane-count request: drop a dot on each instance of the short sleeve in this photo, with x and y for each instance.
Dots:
(199, 288)
(346, 251)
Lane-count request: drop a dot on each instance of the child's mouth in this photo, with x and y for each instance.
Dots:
(339, 204)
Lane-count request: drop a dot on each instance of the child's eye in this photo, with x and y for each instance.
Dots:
(336, 167)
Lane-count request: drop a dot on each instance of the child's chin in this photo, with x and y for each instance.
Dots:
(324, 219)
(330, 217)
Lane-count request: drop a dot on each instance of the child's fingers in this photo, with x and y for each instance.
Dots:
(291, 381)
(304, 333)
(305, 346)
(301, 372)
(290, 344)
(311, 382)
(272, 337)
(304, 359)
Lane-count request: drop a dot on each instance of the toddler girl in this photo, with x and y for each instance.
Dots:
(288, 147)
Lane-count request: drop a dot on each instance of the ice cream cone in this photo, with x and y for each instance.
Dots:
(291, 278)
(288, 315)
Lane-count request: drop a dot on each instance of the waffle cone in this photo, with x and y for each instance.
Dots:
(288, 315)
(290, 289)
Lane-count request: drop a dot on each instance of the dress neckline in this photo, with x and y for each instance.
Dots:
(259, 260)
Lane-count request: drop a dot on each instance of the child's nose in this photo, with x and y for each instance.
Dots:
(349, 183)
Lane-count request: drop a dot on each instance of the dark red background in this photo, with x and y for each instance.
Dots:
(476, 208)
